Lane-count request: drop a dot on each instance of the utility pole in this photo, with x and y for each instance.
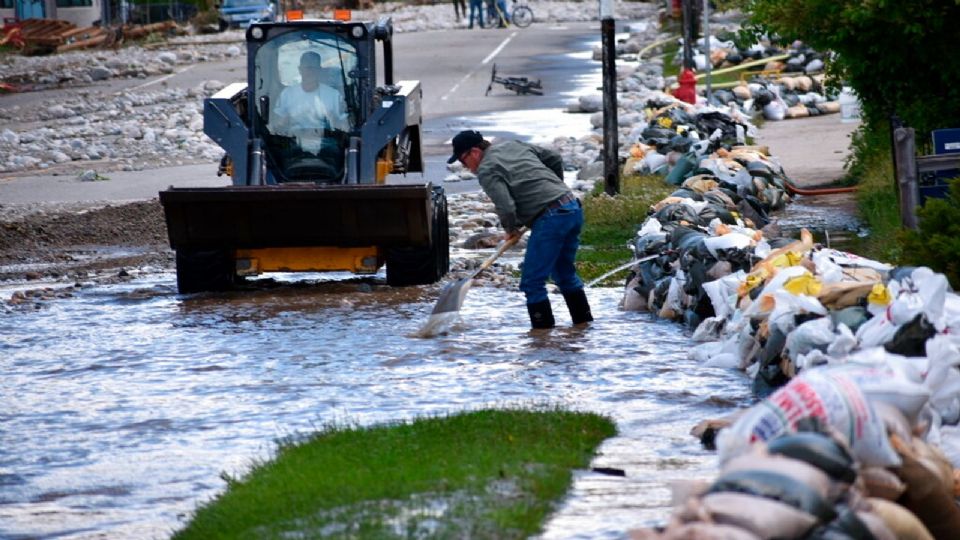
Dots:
(706, 41)
(611, 159)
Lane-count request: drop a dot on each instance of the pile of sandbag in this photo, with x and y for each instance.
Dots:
(795, 58)
(789, 82)
(845, 451)
(704, 232)
(777, 98)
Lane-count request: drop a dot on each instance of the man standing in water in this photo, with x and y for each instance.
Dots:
(525, 183)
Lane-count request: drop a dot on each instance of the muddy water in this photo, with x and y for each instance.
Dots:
(831, 218)
(123, 405)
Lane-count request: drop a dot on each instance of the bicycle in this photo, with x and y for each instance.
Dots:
(521, 16)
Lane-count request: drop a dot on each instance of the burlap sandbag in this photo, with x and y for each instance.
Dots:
(880, 483)
(925, 495)
(903, 524)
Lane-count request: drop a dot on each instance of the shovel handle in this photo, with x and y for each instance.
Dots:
(504, 246)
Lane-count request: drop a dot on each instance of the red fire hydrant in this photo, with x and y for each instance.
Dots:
(688, 87)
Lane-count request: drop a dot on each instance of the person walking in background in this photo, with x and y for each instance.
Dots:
(460, 8)
(492, 17)
(525, 183)
(503, 17)
(476, 6)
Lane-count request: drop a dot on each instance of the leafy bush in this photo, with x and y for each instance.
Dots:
(937, 242)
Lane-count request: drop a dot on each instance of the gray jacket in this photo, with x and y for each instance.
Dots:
(521, 179)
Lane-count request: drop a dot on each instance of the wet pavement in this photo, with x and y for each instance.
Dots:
(125, 403)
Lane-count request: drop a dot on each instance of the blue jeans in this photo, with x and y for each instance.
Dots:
(551, 251)
(476, 6)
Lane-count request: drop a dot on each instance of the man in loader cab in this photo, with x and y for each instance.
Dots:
(306, 109)
(525, 183)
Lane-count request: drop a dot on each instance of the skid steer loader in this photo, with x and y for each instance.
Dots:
(309, 142)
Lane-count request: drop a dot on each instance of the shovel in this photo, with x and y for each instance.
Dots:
(451, 298)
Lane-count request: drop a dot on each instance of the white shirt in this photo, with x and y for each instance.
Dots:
(312, 110)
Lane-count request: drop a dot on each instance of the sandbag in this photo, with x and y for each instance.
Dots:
(819, 451)
(777, 486)
(881, 483)
(925, 496)
(765, 518)
(834, 399)
(901, 522)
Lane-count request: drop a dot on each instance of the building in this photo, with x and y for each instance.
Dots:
(82, 13)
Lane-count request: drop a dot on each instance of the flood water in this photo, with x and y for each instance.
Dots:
(123, 405)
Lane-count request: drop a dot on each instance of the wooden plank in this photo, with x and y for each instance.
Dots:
(83, 44)
(940, 162)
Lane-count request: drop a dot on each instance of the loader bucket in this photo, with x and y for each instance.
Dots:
(295, 216)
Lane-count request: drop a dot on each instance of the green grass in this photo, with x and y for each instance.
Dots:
(494, 473)
(610, 222)
(877, 204)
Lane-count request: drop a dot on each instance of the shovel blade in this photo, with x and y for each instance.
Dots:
(451, 298)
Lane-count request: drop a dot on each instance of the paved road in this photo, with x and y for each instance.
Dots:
(454, 68)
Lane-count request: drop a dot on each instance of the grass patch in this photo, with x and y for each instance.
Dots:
(877, 206)
(481, 474)
(610, 222)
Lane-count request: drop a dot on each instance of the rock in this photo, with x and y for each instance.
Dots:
(99, 73)
(481, 241)
(591, 103)
(9, 137)
(167, 57)
(591, 171)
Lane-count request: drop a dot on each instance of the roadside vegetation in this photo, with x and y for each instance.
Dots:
(891, 54)
(610, 223)
(494, 473)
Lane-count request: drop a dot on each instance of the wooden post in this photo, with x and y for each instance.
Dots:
(905, 164)
(611, 143)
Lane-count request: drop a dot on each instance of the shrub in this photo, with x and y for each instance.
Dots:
(937, 242)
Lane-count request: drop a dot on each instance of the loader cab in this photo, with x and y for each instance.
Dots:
(307, 103)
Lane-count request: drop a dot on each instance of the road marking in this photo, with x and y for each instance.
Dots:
(483, 62)
(498, 49)
(165, 77)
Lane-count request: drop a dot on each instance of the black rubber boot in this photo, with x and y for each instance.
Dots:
(578, 306)
(541, 315)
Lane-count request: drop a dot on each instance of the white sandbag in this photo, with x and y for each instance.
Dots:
(654, 161)
(727, 241)
(942, 377)
(774, 111)
(827, 270)
(844, 258)
(812, 359)
(758, 309)
(884, 383)
(703, 352)
(949, 443)
(723, 293)
(650, 226)
(833, 398)
(709, 329)
(844, 342)
(877, 331)
(632, 300)
(787, 306)
(815, 334)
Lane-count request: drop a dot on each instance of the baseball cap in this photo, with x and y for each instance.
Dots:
(464, 141)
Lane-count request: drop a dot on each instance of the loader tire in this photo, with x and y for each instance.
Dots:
(427, 264)
(205, 270)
